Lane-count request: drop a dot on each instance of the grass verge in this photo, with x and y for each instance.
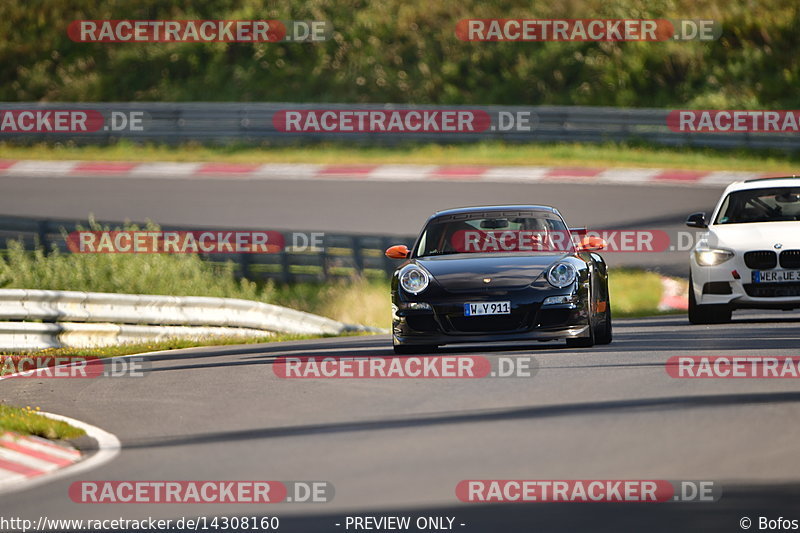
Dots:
(27, 421)
(353, 301)
(635, 293)
(134, 348)
(483, 153)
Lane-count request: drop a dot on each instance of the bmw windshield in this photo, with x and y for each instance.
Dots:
(778, 204)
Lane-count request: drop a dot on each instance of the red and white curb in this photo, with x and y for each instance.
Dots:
(674, 295)
(24, 457)
(295, 171)
(25, 475)
(26, 462)
(31, 461)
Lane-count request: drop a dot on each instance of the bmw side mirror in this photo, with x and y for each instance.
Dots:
(697, 220)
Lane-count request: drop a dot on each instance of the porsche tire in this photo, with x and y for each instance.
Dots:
(603, 334)
(410, 349)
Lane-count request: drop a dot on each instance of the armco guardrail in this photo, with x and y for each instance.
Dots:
(341, 255)
(215, 122)
(72, 318)
(30, 336)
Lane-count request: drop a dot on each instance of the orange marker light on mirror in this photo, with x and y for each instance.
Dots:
(399, 251)
(592, 244)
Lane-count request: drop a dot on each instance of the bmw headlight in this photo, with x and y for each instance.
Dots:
(561, 275)
(414, 279)
(712, 256)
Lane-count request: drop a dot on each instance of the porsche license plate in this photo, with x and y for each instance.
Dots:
(487, 308)
(775, 276)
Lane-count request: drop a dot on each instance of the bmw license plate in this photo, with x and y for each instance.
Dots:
(487, 308)
(775, 276)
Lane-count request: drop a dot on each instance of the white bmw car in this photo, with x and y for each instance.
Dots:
(750, 255)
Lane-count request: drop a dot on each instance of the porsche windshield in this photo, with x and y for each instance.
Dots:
(486, 233)
(777, 204)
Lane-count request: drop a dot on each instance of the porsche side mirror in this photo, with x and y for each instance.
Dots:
(398, 252)
(592, 244)
(697, 220)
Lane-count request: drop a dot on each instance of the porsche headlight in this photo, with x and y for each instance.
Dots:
(414, 279)
(712, 256)
(561, 275)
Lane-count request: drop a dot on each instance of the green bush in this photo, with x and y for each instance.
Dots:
(353, 300)
(407, 51)
(171, 274)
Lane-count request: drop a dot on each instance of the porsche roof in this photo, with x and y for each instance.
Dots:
(484, 208)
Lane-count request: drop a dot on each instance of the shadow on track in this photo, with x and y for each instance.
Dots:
(488, 415)
(632, 335)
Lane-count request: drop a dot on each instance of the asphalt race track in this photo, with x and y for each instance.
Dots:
(400, 446)
(352, 206)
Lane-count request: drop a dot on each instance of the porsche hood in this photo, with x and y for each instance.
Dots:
(465, 272)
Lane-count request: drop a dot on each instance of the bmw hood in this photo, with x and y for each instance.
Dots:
(755, 236)
(463, 272)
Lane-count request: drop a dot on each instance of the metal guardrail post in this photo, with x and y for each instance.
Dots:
(358, 255)
(244, 266)
(286, 274)
(324, 258)
(41, 235)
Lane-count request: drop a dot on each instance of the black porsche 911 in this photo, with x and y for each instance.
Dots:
(499, 273)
